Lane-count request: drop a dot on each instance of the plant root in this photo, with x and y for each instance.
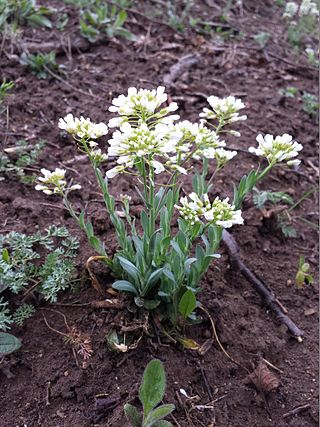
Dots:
(267, 295)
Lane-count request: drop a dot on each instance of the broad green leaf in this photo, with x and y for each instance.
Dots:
(158, 413)
(153, 386)
(122, 16)
(152, 281)
(150, 304)
(125, 286)
(130, 268)
(8, 343)
(187, 303)
(39, 20)
(133, 415)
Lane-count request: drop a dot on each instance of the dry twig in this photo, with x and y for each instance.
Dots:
(268, 296)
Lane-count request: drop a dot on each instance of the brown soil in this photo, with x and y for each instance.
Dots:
(48, 388)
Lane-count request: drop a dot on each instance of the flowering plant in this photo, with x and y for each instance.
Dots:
(161, 264)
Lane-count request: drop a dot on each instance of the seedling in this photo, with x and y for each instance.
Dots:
(27, 156)
(160, 264)
(284, 217)
(310, 104)
(98, 18)
(289, 92)
(179, 20)
(151, 394)
(14, 13)
(40, 64)
(5, 88)
(261, 197)
(303, 277)
(262, 38)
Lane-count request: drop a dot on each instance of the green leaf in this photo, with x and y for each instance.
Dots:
(130, 268)
(96, 244)
(162, 423)
(133, 415)
(39, 20)
(89, 229)
(125, 286)
(158, 413)
(153, 386)
(150, 304)
(187, 303)
(8, 343)
(5, 255)
(122, 16)
(152, 281)
(82, 221)
(144, 221)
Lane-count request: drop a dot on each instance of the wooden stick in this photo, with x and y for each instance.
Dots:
(267, 296)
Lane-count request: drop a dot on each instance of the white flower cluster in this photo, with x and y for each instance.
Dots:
(307, 7)
(219, 212)
(142, 105)
(148, 131)
(224, 109)
(278, 149)
(54, 182)
(82, 128)
(130, 144)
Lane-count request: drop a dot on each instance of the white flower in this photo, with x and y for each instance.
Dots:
(69, 123)
(219, 212)
(139, 101)
(98, 156)
(158, 166)
(143, 106)
(308, 7)
(225, 109)
(75, 187)
(130, 144)
(223, 156)
(82, 128)
(234, 133)
(115, 122)
(278, 149)
(54, 182)
(290, 10)
(111, 173)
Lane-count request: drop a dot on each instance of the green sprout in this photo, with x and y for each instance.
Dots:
(303, 277)
(151, 394)
(42, 65)
(289, 92)
(27, 156)
(14, 13)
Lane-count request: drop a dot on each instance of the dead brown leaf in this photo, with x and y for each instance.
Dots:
(263, 378)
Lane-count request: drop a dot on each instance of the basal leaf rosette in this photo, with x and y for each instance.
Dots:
(200, 209)
(277, 149)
